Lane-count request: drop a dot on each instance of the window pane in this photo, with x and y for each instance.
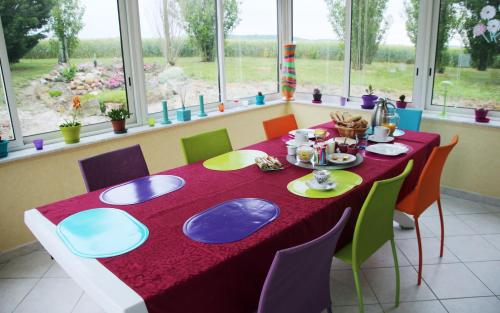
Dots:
(6, 130)
(180, 51)
(251, 44)
(383, 39)
(467, 70)
(85, 60)
(318, 30)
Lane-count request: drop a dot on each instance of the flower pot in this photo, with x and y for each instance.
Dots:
(38, 143)
(343, 101)
(401, 104)
(4, 151)
(71, 134)
(183, 115)
(259, 100)
(481, 115)
(221, 107)
(368, 101)
(317, 98)
(119, 126)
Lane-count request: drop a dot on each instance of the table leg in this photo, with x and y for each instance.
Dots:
(404, 220)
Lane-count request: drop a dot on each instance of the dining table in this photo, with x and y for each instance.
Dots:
(171, 273)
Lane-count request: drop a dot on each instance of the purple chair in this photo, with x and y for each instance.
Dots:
(299, 278)
(112, 168)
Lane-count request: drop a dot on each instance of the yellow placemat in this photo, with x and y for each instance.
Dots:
(233, 160)
(344, 180)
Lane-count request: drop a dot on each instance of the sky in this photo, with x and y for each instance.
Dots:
(257, 17)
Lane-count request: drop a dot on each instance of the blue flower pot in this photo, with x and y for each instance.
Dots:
(4, 151)
(183, 115)
(259, 100)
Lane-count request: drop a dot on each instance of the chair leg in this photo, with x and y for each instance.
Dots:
(419, 240)
(396, 268)
(329, 309)
(442, 226)
(357, 283)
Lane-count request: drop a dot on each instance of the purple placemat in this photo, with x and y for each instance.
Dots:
(230, 221)
(141, 189)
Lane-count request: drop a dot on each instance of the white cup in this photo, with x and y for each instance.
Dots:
(291, 150)
(381, 132)
(301, 137)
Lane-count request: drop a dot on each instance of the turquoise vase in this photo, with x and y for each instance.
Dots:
(4, 151)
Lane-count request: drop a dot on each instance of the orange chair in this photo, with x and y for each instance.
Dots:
(426, 193)
(279, 126)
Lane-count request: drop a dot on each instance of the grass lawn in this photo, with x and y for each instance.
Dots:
(387, 78)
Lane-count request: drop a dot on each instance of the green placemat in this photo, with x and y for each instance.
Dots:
(345, 181)
(233, 160)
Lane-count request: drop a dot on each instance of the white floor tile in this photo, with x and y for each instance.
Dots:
(469, 305)
(87, 305)
(416, 307)
(482, 223)
(493, 239)
(430, 251)
(369, 308)
(56, 271)
(488, 273)
(472, 248)
(383, 283)
(491, 208)
(12, 291)
(453, 226)
(433, 211)
(453, 281)
(410, 233)
(344, 291)
(340, 265)
(462, 206)
(54, 295)
(383, 258)
(32, 265)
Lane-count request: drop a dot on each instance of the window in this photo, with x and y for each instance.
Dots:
(6, 129)
(383, 41)
(318, 30)
(467, 63)
(251, 47)
(179, 52)
(81, 55)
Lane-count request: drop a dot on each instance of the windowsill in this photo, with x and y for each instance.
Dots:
(29, 151)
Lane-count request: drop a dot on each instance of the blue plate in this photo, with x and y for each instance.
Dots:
(101, 233)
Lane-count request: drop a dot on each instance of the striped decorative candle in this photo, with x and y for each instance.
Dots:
(288, 78)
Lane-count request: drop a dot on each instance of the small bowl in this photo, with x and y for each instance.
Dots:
(350, 132)
(343, 147)
(352, 149)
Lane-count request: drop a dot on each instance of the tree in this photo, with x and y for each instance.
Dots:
(483, 52)
(23, 24)
(66, 23)
(170, 30)
(200, 23)
(368, 27)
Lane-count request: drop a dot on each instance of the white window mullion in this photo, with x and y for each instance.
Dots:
(285, 31)
(347, 48)
(219, 6)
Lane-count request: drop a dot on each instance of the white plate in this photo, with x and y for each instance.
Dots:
(291, 142)
(310, 132)
(314, 185)
(350, 158)
(349, 141)
(387, 149)
(380, 139)
(398, 132)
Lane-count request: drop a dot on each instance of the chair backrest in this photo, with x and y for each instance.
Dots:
(428, 187)
(374, 224)
(299, 278)
(409, 119)
(112, 168)
(279, 126)
(206, 145)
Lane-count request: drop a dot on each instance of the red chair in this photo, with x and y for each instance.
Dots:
(426, 193)
(279, 126)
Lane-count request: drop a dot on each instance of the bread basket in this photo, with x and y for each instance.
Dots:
(350, 132)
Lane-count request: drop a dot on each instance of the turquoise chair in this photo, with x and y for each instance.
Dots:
(409, 119)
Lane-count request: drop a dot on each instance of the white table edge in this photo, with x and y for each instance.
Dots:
(107, 290)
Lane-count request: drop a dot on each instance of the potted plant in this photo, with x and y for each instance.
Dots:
(259, 98)
(317, 96)
(71, 129)
(401, 104)
(481, 113)
(183, 114)
(118, 117)
(4, 145)
(369, 98)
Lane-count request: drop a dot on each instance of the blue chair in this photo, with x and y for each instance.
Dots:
(409, 119)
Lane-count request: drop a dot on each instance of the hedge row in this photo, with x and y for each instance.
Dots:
(105, 48)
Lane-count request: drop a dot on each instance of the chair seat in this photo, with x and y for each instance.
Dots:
(407, 205)
(345, 254)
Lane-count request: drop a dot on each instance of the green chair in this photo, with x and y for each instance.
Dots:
(374, 228)
(206, 145)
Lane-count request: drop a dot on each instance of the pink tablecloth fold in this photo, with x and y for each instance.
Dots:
(176, 274)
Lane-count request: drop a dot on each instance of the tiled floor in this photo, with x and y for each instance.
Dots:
(465, 280)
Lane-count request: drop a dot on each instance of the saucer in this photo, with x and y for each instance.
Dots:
(314, 185)
(292, 142)
(380, 139)
(341, 158)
